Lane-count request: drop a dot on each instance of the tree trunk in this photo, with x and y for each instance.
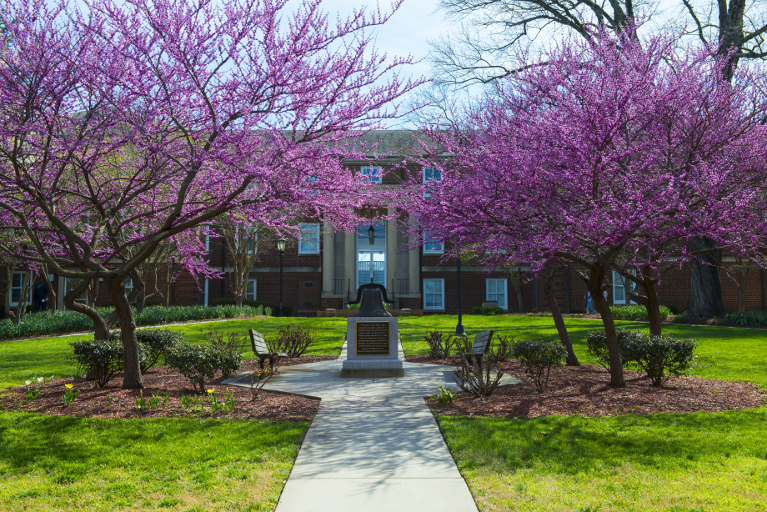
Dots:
(706, 286)
(617, 379)
(653, 310)
(52, 299)
(101, 328)
(132, 370)
(551, 298)
(520, 304)
(141, 301)
(21, 305)
(652, 304)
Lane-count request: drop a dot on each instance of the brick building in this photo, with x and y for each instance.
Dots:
(324, 269)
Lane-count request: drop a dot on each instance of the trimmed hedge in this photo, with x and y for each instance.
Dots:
(636, 312)
(596, 343)
(538, 357)
(199, 363)
(488, 311)
(657, 356)
(661, 356)
(155, 342)
(101, 359)
(71, 321)
(287, 309)
(746, 318)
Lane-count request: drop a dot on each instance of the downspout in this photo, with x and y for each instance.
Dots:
(567, 277)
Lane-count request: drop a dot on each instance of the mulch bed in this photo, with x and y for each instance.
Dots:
(93, 402)
(586, 390)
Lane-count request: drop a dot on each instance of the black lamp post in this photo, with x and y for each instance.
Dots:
(459, 330)
(281, 248)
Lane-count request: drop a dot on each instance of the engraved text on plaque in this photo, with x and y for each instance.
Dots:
(372, 338)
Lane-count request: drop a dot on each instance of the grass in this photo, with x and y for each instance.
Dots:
(25, 359)
(57, 463)
(690, 462)
(670, 462)
(723, 352)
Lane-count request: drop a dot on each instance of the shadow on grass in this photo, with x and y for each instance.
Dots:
(575, 444)
(69, 448)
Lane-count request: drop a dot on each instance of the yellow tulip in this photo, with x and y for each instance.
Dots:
(68, 386)
(212, 390)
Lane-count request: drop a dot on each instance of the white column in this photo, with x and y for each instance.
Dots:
(350, 262)
(414, 270)
(328, 257)
(391, 254)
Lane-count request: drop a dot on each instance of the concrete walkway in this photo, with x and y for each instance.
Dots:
(374, 445)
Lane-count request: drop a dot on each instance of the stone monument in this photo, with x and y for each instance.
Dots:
(372, 337)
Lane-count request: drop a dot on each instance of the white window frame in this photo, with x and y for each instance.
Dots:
(620, 282)
(311, 250)
(128, 287)
(425, 181)
(21, 288)
(248, 295)
(505, 305)
(371, 174)
(426, 250)
(440, 307)
(248, 232)
(83, 298)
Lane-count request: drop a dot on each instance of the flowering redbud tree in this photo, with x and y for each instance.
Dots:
(126, 126)
(615, 147)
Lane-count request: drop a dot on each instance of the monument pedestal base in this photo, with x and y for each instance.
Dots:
(372, 348)
(368, 368)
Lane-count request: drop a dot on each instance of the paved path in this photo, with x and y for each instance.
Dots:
(373, 446)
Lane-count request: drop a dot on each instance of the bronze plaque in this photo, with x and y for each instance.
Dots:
(372, 338)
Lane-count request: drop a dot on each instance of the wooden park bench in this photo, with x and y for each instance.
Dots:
(481, 345)
(261, 350)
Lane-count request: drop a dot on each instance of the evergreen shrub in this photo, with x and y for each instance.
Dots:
(538, 357)
(101, 359)
(636, 312)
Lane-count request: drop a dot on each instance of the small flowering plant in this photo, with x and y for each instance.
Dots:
(70, 394)
(33, 393)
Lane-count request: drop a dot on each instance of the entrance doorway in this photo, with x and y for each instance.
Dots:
(371, 257)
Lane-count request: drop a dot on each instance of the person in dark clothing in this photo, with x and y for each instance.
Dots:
(40, 297)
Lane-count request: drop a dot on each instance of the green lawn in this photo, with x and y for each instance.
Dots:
(57, 463)
(21, 360)
(662, 462)
(691, 462)
(723, 352)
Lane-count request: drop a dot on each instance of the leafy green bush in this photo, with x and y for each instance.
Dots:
(71, 321)
(287, 309)
(155, 342)
(199, 363)
(636, 312)
(596, 343)
(488, 311)
(746, 318)
(538, 357)
(293, 341)
(101, 359)
(661, 356)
